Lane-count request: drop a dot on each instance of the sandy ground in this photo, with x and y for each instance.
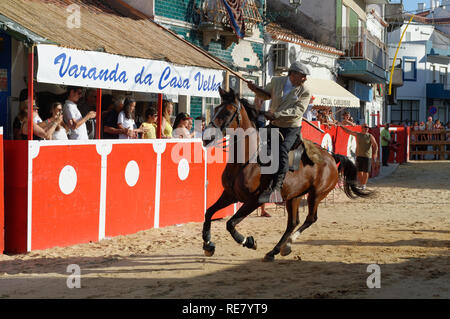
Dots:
(405, 229)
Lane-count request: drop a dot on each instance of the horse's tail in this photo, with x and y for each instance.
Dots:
(348, 170)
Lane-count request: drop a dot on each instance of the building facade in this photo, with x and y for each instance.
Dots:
(356, 28)
(205, 24)
(424, 55)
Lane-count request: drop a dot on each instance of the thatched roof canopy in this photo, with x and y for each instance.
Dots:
(109, 26)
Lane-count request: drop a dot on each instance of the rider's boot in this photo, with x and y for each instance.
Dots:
(272, 194)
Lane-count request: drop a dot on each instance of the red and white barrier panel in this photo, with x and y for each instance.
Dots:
(65, 193)
(68, 193)
(2, 208)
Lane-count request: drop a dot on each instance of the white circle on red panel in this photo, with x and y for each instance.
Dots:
(183, 169)
(327, 142)
(351, 148)
(132, 173)
(67, 179)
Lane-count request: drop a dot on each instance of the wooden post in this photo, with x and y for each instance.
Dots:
(160, 105)
(98, 118)
(30, 91)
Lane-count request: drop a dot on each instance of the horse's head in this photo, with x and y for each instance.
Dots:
(226, 115)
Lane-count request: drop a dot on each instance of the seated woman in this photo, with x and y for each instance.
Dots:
(180, 126)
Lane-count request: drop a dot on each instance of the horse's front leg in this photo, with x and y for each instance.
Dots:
(292, 208)
(243, 212)
(224, 200)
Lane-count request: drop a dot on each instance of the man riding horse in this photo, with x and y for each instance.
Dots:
(290, 98)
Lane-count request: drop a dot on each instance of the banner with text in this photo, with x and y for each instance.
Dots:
(59, 65)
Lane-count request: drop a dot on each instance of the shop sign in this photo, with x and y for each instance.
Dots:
(58, 65)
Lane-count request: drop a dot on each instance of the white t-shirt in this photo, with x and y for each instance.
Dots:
(70, 111)
(126, 123)
(61, 134)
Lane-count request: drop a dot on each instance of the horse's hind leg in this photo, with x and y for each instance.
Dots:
(224, 200)
(243, 212)
(313, 205)
(292, 208)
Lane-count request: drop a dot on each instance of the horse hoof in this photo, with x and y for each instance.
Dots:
(209, 253)
(268, 258)
(285, 250)
(250, 242)
(209, 248)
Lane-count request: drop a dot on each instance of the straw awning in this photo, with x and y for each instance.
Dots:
(105, 26)
(329, 93)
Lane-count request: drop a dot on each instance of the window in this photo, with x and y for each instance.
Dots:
(409, 69)
(443, 75)
(210, 104)
(405, 110)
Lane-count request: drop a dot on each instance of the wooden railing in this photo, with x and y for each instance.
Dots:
(420, 140)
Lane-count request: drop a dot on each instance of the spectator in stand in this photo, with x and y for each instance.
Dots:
(437, 126)
(166, 127)
(385, 140)
(310, 111)
(149, 126)
(422, 138)
(125, 120)
(61, 129)
(347, 119)
(415, 138)
(366, 148)
(41, 130)
(107, 104)
(180, 126)
(72, 116)
(329, 116)
(322, 118)
(429, 124)
(22, 116)
(88, 104)
(198, 132)
(110, 128)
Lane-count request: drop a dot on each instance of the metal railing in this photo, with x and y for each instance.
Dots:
(359, 44)
(213, 11)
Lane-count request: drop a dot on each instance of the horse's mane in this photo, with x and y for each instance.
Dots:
(250, 109)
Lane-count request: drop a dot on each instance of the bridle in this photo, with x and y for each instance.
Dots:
(237, 113)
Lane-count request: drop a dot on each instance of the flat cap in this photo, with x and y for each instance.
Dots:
(299, 67)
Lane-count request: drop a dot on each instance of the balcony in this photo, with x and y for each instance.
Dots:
(216, 23)
(438, 91)
(365, 56)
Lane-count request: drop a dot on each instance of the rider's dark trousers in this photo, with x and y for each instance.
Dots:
(290, 135)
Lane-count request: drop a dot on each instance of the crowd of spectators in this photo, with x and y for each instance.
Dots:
(74, 117)
(435, 131)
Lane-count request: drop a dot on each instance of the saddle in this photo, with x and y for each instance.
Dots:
(300, 147)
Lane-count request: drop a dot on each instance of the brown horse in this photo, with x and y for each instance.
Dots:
(242, 180)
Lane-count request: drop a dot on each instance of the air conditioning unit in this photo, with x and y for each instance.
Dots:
(284, 54)
(280, 57)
